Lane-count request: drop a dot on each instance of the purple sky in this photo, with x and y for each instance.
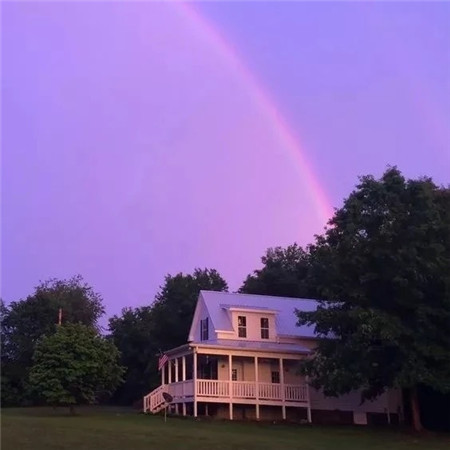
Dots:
(133, 146)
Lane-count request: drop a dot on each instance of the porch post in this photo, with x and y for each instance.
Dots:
(163, 374)
(308, 411)
(256, 388)
(184, 409)
(169, 368)
(230, 384)
(176, 370)
(283, 407)
(194, 377)
(183, 368)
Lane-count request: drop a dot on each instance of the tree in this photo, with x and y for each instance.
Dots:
(25, 321)
(140, 334)
(132, 332)
(74, 366)
(384, 267)
(285, 274)
(174, 304)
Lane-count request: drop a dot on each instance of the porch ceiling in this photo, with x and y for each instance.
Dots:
(253, 346)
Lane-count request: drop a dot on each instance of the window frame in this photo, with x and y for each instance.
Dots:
(242, 329)
(265, 333)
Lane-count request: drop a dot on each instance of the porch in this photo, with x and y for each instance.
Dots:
(206, 376)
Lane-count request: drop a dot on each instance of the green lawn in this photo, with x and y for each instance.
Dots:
(110, 429)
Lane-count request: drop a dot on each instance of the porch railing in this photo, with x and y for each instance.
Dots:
(249, 389)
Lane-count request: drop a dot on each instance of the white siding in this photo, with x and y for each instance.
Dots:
(253, 320)
(201, 313)
(352, 402)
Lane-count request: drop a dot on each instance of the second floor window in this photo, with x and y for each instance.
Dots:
(264, 328)
(242, 326)
(204, 332)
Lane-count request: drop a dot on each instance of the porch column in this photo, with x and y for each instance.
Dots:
(183, 368)
(194, 378)
(169, 368)
(283, 407)
(163, 374)
(256, 388)
(176, 370)
(230, 384)
(184, 409)
(308, 410)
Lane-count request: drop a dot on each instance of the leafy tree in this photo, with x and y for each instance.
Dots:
(132, 333)
(174, 304)
(75, 365)
(284, 273)
(384, 266)
(25, 321)
(140, 334)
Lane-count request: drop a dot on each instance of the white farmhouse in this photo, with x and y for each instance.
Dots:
(241, 362)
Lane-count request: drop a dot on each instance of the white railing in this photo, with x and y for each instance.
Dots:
(249, 389)
(244, 389)
(221, 389)
(213, 388)
(181, 389)
(154, 398)
(296, 392)
(269, 391)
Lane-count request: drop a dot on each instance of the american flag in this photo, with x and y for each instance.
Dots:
(162, 361)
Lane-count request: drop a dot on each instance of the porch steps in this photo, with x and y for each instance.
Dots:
(154, 401)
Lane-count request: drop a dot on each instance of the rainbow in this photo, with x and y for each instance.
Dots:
(288, 140)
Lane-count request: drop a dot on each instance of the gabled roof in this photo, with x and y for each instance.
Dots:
(218, 304)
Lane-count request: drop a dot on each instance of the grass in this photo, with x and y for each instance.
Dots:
(111, 429)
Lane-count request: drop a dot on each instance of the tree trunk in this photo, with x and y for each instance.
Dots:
(72, 410)
(415, 410)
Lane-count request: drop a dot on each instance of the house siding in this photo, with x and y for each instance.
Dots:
(352, 402)
(201, 313)
(253, 326)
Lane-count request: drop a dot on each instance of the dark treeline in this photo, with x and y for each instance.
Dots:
(381, 271)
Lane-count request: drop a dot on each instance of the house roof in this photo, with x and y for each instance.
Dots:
(218, 303)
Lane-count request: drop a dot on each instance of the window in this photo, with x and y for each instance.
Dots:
(275, 376)
(204, 332)
(264, 328)
(234, 375)
(242, 326)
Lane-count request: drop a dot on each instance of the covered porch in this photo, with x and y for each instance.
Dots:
(199, 376)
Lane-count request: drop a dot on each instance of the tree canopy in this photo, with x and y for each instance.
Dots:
(141, 333)
(73, 366)
(384, 267)
(25, 321)
(284, 273)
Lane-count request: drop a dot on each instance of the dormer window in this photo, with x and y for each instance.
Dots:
(242, 326)
(264, 328)
(204, 332)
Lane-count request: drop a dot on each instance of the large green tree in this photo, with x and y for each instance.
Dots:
(25, 321)
(73, 366)
(133, 333)
(384, 267)
(141, 333)
(284, 273)
(174, 304)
